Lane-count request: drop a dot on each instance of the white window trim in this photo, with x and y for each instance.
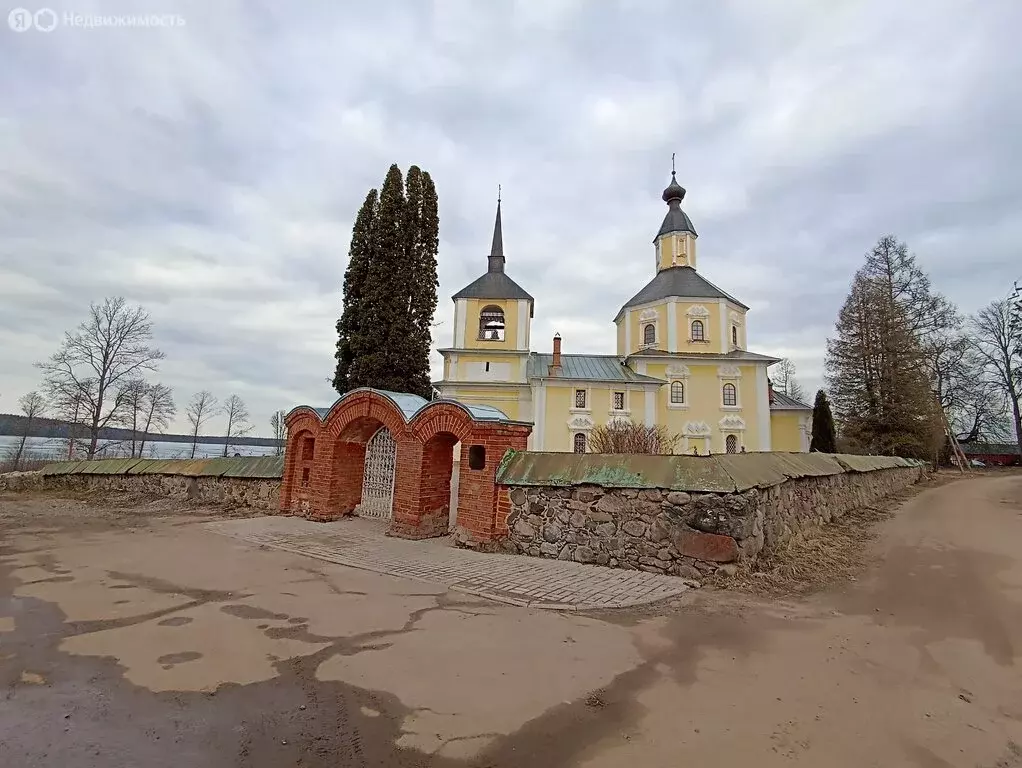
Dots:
(589, 401)
(706, 331)
(678, 373)
(585, 436)
(626, 411)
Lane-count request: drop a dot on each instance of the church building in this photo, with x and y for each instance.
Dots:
(682, 360)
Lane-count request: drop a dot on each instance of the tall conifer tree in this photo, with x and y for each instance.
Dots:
(350, 325)
(824, 438)
(390, 288)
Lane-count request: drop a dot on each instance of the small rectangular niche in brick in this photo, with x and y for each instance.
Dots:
(308, 448)
(477, 457)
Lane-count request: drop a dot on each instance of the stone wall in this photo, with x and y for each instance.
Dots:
(253, 493)
(252, 482)
(682, 532)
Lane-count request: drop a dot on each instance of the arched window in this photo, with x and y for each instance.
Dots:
(731, 444)
(677, 392)
(734, 335)
(730, 394)
(491, 323)
(580, 442)
(698, 332)
(649, 334)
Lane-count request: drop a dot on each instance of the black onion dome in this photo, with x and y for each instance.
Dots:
(674, 190)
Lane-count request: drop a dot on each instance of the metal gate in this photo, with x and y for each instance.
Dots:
(378, 477)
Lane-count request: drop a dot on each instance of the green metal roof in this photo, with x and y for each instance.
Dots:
(720, 473)
(587, 368)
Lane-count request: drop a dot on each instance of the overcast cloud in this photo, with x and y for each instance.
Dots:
(211, 172)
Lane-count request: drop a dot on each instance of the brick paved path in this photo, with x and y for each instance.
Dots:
(531, 581)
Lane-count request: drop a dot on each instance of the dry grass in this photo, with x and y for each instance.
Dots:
(821, 557)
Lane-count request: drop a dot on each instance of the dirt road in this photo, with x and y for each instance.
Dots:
(134, 637)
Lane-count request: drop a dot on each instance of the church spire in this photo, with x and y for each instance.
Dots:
(496, 258)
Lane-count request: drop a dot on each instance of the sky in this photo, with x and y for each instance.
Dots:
(210, 169)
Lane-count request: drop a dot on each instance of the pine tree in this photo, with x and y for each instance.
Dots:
(390, 288)
(824, 438)
(878, 366)
(349, 327)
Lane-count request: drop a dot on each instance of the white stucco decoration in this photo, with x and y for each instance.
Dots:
(698, 311)
(735, 318)
(696, 429)
(732, 423)
(729, 372)
(678, 371)
(648, 314)
(580, 423)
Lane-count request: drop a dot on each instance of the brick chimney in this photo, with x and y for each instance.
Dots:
(555, 364)
(770, 392)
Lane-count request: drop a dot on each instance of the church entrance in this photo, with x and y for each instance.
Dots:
(378, 476)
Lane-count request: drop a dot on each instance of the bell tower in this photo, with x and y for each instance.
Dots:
(676, 241)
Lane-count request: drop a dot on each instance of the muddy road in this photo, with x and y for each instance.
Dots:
(132, 636)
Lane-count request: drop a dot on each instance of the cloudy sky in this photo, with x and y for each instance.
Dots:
(211, 171)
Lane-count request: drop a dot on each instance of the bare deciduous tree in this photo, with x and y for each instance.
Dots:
(32, 406)
(629, 437)
(1002, 359)
(199, 411)
(157, 410)
(237, 419)
(784, 379)
(132, 395)
(110, 348)
(279, 430)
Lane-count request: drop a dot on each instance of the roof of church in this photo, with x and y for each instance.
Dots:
(784, 403)
(587, 368)
(683, 282)
(735, 354)
(676, 219)
(494, 284)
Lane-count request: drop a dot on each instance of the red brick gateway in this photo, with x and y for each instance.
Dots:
(391, 455)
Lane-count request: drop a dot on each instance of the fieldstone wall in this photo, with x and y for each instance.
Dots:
(253, 493)
(682, 533)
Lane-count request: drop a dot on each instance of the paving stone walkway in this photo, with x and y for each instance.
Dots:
(518, 580)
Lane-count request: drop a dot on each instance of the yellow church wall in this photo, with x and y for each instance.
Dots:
(717, 322)
(479, 366)
(510, 307)
(703, 395)
(785, 431)
(507, 399)
(558, 406)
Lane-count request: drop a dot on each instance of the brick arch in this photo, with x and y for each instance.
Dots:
(299, 464)
(438, 417)
(425, 447)
(350, 415)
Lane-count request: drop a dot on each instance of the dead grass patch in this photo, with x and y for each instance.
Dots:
(824, 556)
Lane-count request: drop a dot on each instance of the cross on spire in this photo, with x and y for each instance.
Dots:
(672, 163)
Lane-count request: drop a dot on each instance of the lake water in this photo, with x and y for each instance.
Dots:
(55, 449)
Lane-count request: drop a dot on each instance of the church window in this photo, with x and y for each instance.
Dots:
(580, 398)
(579, 442)
(730, 394)
(491, 323)
(734, 335)
(649, 334)
(698, 331)
(731, 444)
(677, 392)
(619, 401)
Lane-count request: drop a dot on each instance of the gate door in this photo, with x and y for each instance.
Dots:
(378, 478)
